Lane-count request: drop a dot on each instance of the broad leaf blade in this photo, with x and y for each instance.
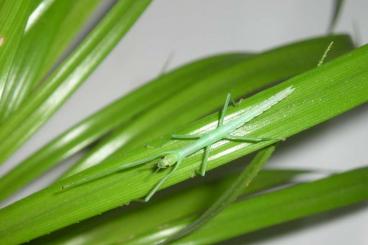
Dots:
(272, 208)
(109, 118)
(328, 85)
(119, 225)
(207, 95)
(154, 99)
(228, 196)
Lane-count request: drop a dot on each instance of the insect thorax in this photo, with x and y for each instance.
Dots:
(167, 160)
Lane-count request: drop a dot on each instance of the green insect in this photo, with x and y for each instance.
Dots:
(174, 158)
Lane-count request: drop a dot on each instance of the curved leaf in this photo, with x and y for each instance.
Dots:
(41, 46)
(228, 196)
(319, 94)
(139, 104)
(119, 225)
(109, 118)
(69, 75)
(270, 209)
(208, 94)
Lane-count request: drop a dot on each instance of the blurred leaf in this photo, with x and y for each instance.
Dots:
(69, 75)
(42, 45)
(270, 209)
(319, 94)
(13, 19)
(337, 8)
(230, 195)
(120, 224)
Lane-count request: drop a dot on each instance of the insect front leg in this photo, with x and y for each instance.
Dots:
(162, 181)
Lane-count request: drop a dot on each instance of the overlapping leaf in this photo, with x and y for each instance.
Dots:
(69, 75)
(113, 227)
(154, 106)
(270, 209)
(50, 28)
(319, 95)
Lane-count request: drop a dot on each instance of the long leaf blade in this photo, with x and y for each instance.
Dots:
(207, 95)
(328, 84)
(119, 225)
(69, 76)
(52, 31)
(230, 195)
(13, 19)
(158, 91)
(109, 118)
(273, 208)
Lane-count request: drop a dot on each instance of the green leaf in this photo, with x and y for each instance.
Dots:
(69, 75)
(120, 224)
(13, 19)
(109, 118)
(45, 40)
(156, 94)
(208, 94)
(319, 94)
(270, 209)
(230, 195)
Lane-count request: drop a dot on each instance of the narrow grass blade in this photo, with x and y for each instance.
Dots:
(230, 195)
(273, 208)
(158, 92)
(44, 42)
(69, 76)
(13, 19)
(208, 94)
(337, 86)
(110, 117)
(121, 224)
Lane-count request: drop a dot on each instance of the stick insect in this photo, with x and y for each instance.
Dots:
(174, 158)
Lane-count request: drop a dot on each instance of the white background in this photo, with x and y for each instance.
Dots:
(190, 29)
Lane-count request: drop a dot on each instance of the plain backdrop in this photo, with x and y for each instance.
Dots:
(188, 29)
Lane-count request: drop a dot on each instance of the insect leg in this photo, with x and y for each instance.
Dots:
(107, 172)
(205, 161)
(159, 184)
(224, 109)
(249, 139)
(185, 136)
